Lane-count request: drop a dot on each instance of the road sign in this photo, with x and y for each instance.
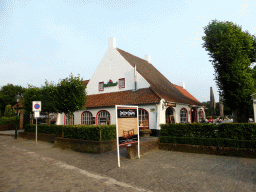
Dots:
(36, 106)
(36, 114)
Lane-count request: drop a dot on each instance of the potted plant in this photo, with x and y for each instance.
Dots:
(144, 132)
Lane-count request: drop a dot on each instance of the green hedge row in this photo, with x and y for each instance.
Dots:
(84, 132)
(90, 132)
(238, 131)
(223, 142)
(9, 120)
(8, 123)
(46, 129)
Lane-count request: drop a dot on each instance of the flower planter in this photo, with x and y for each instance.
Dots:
(145, 132)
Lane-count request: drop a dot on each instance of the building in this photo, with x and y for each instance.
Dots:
(124, 79)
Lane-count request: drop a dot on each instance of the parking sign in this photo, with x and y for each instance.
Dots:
(36, 106)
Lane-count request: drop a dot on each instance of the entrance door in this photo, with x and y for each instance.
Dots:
(169, 118)
(193, 115)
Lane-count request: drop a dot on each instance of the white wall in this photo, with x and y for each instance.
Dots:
(176, 113)
(156, 117)
(111, 110)
(254, 110)
(113, 66)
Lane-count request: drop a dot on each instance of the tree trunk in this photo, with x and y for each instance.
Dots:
(234, 114)
(240, 116)
(48, 119)
(32, 119)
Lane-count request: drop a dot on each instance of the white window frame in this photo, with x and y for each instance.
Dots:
(87, 118)
(143, 118)
(122, 83)
(201, 115)
(103, 114)
(183, 115)
(72, 119)
(101, 86)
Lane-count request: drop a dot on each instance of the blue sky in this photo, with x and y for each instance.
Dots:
(47, 40)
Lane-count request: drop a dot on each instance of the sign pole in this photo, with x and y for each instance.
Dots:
(36, 130)
(117, 142)
(36, 108)
(138, 135)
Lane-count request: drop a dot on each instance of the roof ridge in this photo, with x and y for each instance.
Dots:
(159, 84)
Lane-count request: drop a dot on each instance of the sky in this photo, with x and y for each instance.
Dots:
(49, 40)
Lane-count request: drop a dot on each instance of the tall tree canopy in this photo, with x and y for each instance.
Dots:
(7, 95)
(232, 52)
(31, 94)
(71, 95)
(66, 97)
(48, 97)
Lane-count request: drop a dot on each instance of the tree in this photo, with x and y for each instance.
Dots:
(232, 51)
(9, 112)
(48, 98)
(30, 94)
(67, 97)
(7, 95)
(70, 95)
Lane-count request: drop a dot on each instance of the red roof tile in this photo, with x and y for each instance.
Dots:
(15, 106)
(138, 97)
(158, 83)
(186, 93)
(85, 82)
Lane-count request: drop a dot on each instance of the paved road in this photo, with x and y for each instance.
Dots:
(25, 166)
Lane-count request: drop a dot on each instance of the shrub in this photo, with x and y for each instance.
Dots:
(8, 123)
(9, 112)
(84, 132)
(238, 131)
(221, 142)
(46, 129)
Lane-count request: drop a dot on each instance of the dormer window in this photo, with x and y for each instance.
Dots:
(121, 83)
(101, 86)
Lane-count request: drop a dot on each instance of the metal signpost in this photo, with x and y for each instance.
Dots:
(36, 108)
(127, 128)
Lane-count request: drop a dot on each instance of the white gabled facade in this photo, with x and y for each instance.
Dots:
(115, 67)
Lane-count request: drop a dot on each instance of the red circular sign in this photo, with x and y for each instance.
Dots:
(36, 106)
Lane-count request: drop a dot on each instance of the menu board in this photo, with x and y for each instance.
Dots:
(127, 128)
(127, 121)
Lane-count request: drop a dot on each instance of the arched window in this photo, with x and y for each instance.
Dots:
(86, 118)
(169, 117)
(183, 115)
(143, 119)
(193, 114)
(103, 118)
(69, 119)
(201, 115)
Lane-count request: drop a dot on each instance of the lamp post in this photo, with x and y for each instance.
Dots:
(16, 129)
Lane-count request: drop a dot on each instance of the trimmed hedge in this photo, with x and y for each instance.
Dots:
(90, 132)
(46, 129)
(83, 132)
(223, 142)
(8, 123)
(238, 131)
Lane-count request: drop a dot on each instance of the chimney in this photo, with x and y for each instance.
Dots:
(147, 58)
(182, 84)
(112, 42)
